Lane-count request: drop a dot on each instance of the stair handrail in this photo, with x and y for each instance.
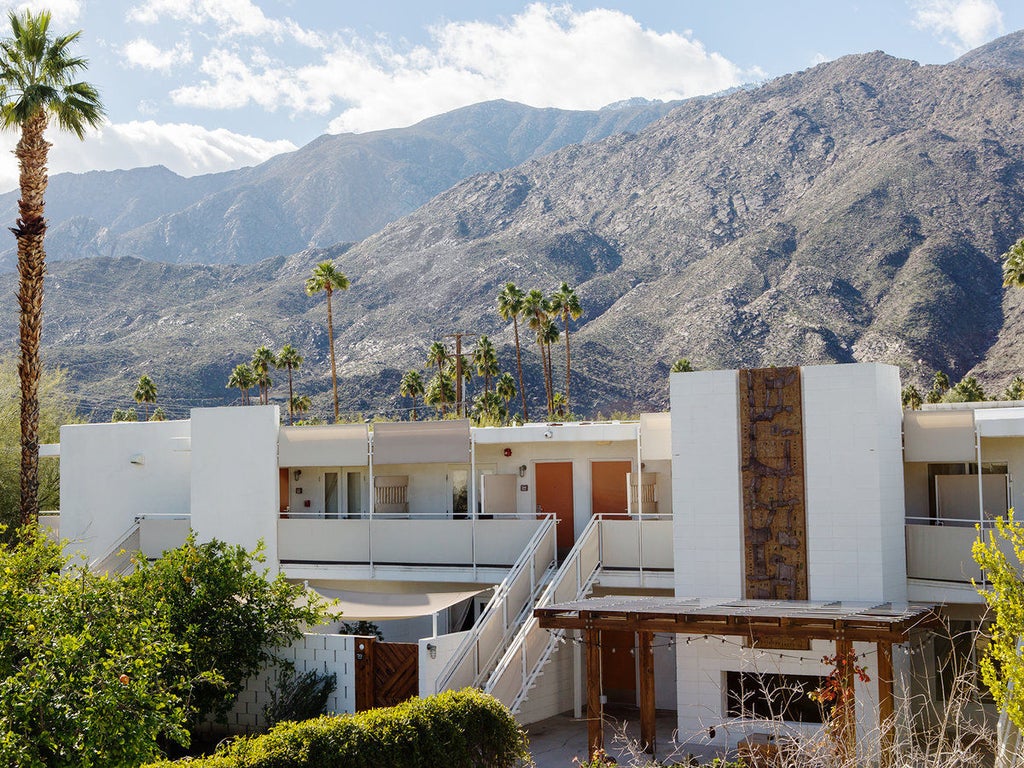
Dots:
(107, 560)
(516, 648)
(497, 607)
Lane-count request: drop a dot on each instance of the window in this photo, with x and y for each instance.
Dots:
(772, 696)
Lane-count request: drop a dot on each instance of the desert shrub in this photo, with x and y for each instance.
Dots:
(456, 729)
(298, 696)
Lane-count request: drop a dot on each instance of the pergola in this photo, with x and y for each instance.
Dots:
(757, 621)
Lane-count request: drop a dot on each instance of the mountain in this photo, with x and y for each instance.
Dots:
(856, 211)
(335, 189)
(1006, 52)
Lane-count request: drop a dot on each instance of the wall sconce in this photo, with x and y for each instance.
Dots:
(138, 459)
(522, 470)
(432, 650)
(548, 434)
(297, 474)
(507, 452)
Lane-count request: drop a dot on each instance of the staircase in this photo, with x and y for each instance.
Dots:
(531, 648)
(511, 605)
(118, 559)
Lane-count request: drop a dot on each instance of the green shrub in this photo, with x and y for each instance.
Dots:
(298, 696)
(456, 729)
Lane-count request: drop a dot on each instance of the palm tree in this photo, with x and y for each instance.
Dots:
(486, 361)
(565, 302)
(440, 390)
(510, 307)
(158, 414)
(682, 365)
(910, 397)
(1013, 266)
(412, 386)
(505, 386)
(299, 404)
(535, 310)
(940, 384)
(328, 279)
(37, 74)
(145, 393)
(263, 359)
(438, 355)
(549, 333)
(488, 409)
(289, 358)
(242, 378)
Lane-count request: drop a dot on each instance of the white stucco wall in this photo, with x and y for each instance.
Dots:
(853, 469)
(102, 491)
(235, 492)
(706, 493)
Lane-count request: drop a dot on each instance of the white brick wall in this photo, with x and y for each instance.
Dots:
(325, 654)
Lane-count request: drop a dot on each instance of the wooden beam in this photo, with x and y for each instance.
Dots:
(595, 716)
(647, 709)
(846, 709)
(886, 725)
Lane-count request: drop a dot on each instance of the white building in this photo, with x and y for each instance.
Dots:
(799, 484)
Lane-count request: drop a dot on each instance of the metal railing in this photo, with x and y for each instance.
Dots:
(532, 647)
(511, 605)
(118, 559)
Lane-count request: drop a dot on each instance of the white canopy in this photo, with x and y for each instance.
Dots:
(380, 606)
(425, 442)
(331, 445)
(1000, 422)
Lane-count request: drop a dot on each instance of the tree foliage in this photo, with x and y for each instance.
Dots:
(1002, 667)
(230, 617)
(82, 664)
(910, 397)
(56, 408)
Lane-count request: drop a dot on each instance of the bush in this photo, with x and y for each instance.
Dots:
(456, 729)
(81, 664)
(227, 616)
(298, 696)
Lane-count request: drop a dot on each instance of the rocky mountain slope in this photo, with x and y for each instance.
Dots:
(852, 212)
(337, 188)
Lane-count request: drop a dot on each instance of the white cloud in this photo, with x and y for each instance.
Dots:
(144, 54)
(544, 56)
(186, 149)
(959, 24)
(233, 18)
(62, 11)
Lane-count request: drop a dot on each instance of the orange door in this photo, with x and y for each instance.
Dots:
(608, 487)
(618, 666)
(554, 495)
(282, 481)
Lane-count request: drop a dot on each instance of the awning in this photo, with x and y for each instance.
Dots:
(939, 436)
(332, 445)
(1000, 422)
(425, 442)
(656, 436)
(380, 606)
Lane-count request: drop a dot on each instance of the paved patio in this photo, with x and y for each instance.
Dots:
(556, 741)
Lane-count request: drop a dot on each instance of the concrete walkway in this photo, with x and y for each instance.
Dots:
(556, 741)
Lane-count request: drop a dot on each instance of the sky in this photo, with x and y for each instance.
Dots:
(203, 86)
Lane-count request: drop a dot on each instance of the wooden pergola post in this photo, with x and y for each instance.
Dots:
(595, 715)
(846, 711)
(647, 711)
(886, 709)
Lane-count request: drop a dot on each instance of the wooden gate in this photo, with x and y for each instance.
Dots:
(386, 673)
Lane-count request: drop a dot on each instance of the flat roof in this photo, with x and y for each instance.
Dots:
(813, 620)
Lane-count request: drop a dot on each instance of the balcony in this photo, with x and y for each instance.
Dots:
(418, 547)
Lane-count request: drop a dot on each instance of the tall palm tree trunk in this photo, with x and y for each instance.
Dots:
(32, 151)
(551, 380)
(291, 397)
(330, 341)
(519, 368)
(565, 320)
(547, 378)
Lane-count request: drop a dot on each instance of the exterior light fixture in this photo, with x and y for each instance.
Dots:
(432, 650)
(548, 434)
(297, 474)
(522, 470)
